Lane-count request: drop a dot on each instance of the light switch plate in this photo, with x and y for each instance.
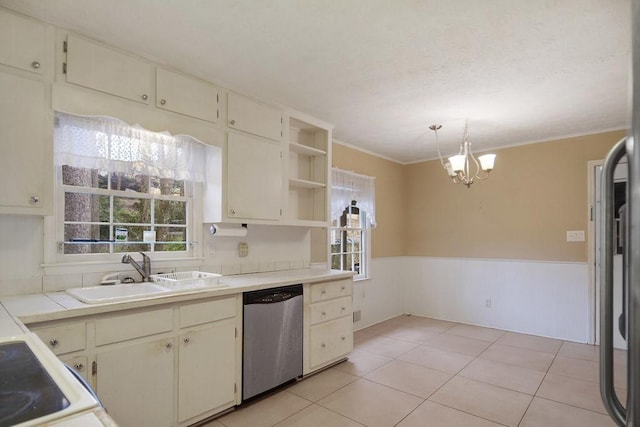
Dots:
(575, 236)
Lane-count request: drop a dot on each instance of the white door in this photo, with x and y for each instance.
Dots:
(620, 183)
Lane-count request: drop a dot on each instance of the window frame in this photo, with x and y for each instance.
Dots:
(365, 246)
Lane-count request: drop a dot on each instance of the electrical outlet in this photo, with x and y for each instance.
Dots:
(487, 303)
(243, 249)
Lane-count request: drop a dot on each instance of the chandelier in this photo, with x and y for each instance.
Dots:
(459, 167)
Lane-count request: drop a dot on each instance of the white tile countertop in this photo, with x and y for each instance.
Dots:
(16, 311)
(60, 305)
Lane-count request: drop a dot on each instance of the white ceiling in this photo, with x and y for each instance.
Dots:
(382, 71)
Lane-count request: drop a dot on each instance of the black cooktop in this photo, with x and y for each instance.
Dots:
(26, 389)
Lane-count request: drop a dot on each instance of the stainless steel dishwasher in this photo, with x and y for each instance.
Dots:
(272, 339)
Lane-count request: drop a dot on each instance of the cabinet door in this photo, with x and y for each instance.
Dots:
(24, 152)
(254, 178)
(22, 42)
(330, 341)
(186, 95)
(98, 67)
(206, 375)
(135, 383)
(78, 364)
(254, 117)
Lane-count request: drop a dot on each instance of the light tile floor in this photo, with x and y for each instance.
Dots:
(413, 371)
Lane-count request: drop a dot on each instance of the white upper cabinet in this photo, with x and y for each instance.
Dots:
(254, 178)
(25, 152)
(98, 67)
(254, 117)
(187, 95)
(23, 43)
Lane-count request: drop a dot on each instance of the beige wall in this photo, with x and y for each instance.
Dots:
(536, 194)
(386, 238)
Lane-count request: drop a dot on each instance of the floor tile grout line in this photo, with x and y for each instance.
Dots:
(540, 385)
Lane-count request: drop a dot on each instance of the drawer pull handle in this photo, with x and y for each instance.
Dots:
(168, 345)
(145, 97)
(324, 313)
(35, 199)
(187, 340)
(344, 308)
(78, 366)
(232, 122)
(35, 65)
(344, 338)
(53, 342)
(322, 292)
(323, 345)
(163, 101)
(343, 288)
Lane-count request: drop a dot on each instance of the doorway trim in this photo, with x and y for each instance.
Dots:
(592, 166)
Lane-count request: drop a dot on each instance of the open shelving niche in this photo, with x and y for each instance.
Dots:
(308, 177)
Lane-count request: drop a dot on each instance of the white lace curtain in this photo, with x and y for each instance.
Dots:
(106, 143)
(347, 186)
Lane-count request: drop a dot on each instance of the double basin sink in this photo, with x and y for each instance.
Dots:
(174, 283)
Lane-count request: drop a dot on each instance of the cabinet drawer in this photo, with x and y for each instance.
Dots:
(329, 310)
(209, 311)
(129, 326)
(63, 338)
(329, 290)
(330, 341)
(254, 117)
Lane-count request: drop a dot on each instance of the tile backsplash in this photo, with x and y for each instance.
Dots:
(271, 248)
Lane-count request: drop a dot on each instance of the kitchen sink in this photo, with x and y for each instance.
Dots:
(163, 284)
(113, 293)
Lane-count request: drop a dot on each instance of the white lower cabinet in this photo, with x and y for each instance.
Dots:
(136, 383)
(206, 378)
(329, 316)
(167, 365)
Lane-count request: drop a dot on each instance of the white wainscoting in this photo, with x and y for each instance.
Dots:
(380, 297)
(541, 298)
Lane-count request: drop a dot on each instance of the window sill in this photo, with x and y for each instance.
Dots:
(361, 279)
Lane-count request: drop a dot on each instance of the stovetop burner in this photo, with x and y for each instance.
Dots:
(26, 389)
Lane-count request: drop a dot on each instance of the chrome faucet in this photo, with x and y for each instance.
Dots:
(145, 270)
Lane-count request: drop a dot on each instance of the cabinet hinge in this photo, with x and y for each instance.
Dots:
(64, 46)
(94, 368)
(64, 68)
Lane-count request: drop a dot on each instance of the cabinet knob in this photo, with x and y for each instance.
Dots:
(323, 345)
(322, 292)
(232, 211)
(344, 308)
(35, 199)
(344, 338)
(186, 340)
(232, 122)
(145, 97)
(324, 313)
(35, 65)
(163, 101)
(168, 345)
(53, 342)
(343, 288)
(78, 366)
